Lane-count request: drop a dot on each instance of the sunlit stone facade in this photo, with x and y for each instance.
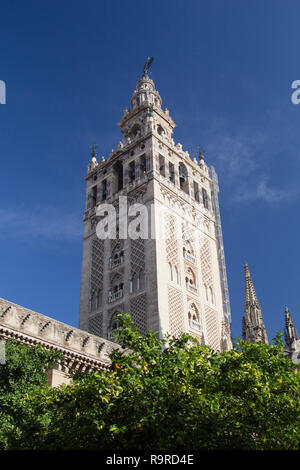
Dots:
(173, 278)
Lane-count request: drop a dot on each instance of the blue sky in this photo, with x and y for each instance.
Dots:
(223, 68)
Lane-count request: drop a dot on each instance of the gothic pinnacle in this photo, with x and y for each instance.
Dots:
(253, 328)
(250, 294)
(290, 332)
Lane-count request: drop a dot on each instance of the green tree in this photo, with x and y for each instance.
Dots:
(22, 378)
(174, 394)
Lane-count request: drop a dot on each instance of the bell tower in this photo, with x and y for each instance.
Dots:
(172, 277)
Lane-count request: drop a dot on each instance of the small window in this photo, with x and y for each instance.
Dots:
(93, 197)
(143, 164)
(132, 171)
(205, 198)
(104, 190)
(171, 173)
(196, 192)
(160, 130)
(161, 165)
(131, 286)
(183, 178)
(118, 169)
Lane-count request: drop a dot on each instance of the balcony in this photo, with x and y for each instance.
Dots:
(115, 296)
(116, 262)
(192, 288)
(189, 257)
(195, 325)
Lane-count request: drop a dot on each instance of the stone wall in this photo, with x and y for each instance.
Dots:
(81, 350)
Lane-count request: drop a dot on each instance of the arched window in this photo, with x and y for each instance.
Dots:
(135, 131)
(116, 288)
(188, 251)
(191, 279)
(160, 130)
(189, 247)
(194, 318)
(118, 171)
(183, 178)
(117, 257)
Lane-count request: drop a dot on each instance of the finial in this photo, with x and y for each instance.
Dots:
(147, 66)
(200, 153)
(94, 148)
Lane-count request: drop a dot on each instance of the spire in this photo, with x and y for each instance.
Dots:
(93, 162)
(250, 294)
(145, 114)
(253, 328)
(290, 332)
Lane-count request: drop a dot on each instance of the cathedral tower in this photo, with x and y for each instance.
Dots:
(253, 328)
(173, 278)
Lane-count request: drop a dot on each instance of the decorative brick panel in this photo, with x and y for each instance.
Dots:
(175, 302)
(212, 328)
(138, 312)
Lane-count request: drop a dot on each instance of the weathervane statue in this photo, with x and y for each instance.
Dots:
(147, 66)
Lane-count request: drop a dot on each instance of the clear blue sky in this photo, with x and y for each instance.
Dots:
(223, 68)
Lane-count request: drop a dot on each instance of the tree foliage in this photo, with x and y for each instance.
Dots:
(170, 394)
(22, 378)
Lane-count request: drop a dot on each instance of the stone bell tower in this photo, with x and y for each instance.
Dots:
(172, 278)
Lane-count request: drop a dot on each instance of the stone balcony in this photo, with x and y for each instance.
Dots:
(116, 262)
(189, 257)
(195, 325)
(115, 296)
(192, 288)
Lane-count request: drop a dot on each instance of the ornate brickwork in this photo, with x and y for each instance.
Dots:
(175, 303)
(97, 266)
(96, 324)
(206, 263)
(138, 311)
(171, 239)
(137, 256)
(212, 328)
